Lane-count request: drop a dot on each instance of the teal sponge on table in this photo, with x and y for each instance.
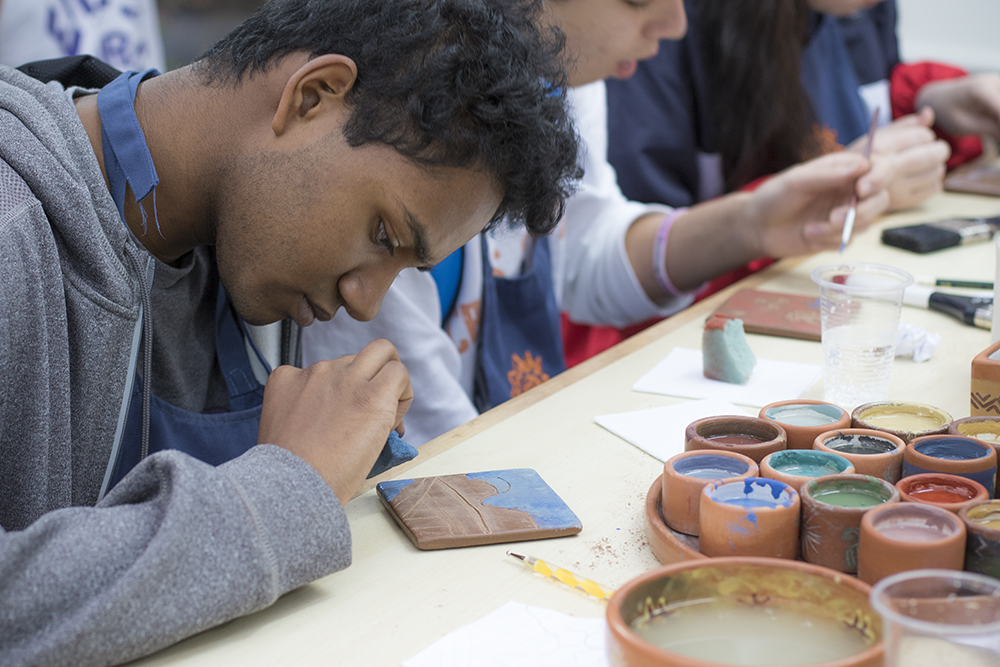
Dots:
(725, 354)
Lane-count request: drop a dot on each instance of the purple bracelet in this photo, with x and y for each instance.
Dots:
(660, 251)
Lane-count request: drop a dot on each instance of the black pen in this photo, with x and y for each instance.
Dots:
(948, 282)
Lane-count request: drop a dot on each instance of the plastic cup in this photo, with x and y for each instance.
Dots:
(859, 314)
(933, 618)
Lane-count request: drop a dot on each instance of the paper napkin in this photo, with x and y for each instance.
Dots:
(680, 374)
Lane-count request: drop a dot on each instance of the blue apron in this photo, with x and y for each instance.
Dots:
(520, 342)
(211, 437)
(829, 79)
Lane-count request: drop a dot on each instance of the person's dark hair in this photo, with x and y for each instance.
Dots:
(451, 83)
(753, 49)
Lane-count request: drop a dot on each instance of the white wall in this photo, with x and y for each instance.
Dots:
(959, 32)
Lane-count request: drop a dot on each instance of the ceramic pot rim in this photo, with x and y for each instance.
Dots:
(833, 457)
(956, 525)
(788, 491)
(980, 492)
(972, 526)
(742, 458)
(693, 429)
(844, 414)
(623, 634)
(858, 411)
(805, 491)
(980, 463)
(892, 616)
(820, 442)
(974, 419)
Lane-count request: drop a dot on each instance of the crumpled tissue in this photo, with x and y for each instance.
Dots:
(915, 341)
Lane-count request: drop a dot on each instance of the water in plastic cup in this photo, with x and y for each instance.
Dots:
(938, 618)
(859, 310)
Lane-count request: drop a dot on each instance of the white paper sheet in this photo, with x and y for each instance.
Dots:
(519, 635)
(660, 431)
(680, 374)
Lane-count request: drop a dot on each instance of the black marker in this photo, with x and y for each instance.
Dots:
(974, 310)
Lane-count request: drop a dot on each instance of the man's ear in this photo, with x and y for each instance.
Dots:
(318, 85)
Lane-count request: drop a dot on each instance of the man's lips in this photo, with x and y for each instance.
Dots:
(306, 315)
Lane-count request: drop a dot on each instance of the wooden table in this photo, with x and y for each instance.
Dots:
(395, 600)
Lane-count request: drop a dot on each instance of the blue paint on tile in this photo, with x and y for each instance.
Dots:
(389, 490)
(522, 489)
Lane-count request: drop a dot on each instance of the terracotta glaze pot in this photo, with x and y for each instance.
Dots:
(668, 545)
(903, 419)
(803, 419)
(949, 492)
(685, 475)
(986, 429)
(982, 523)
(794, 467)
(954, 455)
(750, 436)
(874, 453)
(750, 517)
(909, 536)
(692, 599)
(832, 509)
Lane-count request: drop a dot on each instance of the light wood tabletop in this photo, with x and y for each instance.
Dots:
(396, 600)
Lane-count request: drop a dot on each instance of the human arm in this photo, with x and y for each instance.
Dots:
(965, 105)
(176, 547)
(908, 80)
(800, 210)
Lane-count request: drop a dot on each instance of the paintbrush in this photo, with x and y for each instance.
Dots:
(852, 210)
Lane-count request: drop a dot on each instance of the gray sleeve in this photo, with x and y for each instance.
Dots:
(177, 547)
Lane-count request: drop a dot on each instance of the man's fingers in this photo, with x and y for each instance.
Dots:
(394, 380)
(375, 355)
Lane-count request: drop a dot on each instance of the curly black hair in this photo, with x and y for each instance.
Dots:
(450, 83)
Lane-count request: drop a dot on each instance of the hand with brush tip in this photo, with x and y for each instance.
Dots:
(336, 414)
(911, 156)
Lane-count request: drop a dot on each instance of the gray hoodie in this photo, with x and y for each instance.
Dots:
(178, 546)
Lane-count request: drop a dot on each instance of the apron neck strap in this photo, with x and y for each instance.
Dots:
(126, 155)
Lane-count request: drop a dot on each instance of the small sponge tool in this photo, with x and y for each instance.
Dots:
(725, 354)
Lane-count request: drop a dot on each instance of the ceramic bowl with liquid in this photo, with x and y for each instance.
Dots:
(797, 466)
(803, 419)
(982, 523)
(750, 436)
(986, 429)
(904, 419)
(952, 455)
(874, 453)
(909, 536)
(687, 473)
(743, 611)
(949, 492)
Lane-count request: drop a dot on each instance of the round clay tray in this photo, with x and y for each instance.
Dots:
(667, 544)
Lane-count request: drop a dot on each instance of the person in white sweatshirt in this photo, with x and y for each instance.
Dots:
(489, 329)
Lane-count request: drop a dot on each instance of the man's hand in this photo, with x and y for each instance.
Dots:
(802, 209)
(337, 414)
(910, 157)
(967, 105)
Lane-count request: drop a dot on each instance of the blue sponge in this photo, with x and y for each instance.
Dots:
(725, 354)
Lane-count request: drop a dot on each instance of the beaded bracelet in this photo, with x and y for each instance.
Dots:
(660, 251)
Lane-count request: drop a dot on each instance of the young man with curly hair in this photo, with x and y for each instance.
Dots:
(296, 169)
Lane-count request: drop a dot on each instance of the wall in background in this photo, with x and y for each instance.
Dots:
(960, 32)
